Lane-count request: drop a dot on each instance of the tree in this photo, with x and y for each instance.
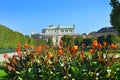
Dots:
(78, 40)
(115, 15)
(68, 40)
(101, 39)
(110, 38)
(87, 41)
(50, 42)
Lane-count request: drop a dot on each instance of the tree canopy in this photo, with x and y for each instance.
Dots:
(115, 14)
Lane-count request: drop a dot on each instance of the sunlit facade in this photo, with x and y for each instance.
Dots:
(56, 33)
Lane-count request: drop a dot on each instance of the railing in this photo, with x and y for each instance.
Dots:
(6, 50)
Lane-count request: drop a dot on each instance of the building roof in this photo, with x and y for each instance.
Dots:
(104, 31)
(107, 29)
(60, 27)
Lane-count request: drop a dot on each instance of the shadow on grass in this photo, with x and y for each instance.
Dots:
(4, 78)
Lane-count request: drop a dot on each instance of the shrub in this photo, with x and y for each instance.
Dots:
(44, 63)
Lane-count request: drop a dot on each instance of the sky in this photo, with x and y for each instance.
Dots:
(27, 16)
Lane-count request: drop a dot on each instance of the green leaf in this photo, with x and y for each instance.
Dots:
(57, 78)
(108, 75)
(94, 63)
(90, 73)
(19, 78)
(75, 70)
(17, 72)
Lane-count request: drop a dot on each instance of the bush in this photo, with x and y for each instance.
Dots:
(44, 63)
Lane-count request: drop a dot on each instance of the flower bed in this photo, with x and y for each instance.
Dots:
(69, 63)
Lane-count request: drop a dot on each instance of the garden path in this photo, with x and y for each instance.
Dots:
(9, 54)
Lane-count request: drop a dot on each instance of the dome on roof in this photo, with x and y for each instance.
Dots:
(51, 26)
(32, 33)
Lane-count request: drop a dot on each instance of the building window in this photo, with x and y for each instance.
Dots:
(66, 30)
(71, 30)
(62, 30)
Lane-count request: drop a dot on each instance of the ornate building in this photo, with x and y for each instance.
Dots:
(56, 33)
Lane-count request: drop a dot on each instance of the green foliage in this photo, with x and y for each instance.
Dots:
(32, 65)
(87, 41)
(10, 38)
(50, 42)
(41, 42)
(68, 40)
(110, 38)
(115, 14)
(101, 39)
(78, 40)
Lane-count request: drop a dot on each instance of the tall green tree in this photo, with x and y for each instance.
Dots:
(110, 38)
(115, 14)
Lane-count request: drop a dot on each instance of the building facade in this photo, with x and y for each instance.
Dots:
(56, 33)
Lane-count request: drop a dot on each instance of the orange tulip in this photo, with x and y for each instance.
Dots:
(94, 44)
(59, 47)
(104, 44)
(60, 52)
(50, 55)
(82, 54)
(18, 49)
(75, 47)
(114, 46)
(72, 50)
(38, 48)
(91, 51)
(32, 47)
(26, 45)
(99, 46)
(5, 55)
(14, 60)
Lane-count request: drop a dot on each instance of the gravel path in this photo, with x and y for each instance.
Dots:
(9, 54)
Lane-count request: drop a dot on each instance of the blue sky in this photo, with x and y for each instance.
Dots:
(26, 16)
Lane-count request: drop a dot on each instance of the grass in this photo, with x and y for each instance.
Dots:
(3, 74)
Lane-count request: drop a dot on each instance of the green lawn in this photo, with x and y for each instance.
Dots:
(3, 74)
